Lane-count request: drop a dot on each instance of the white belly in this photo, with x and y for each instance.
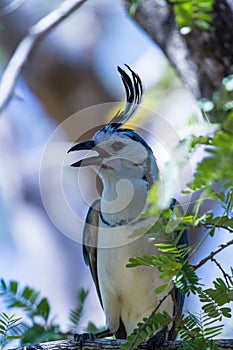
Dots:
(127, 293)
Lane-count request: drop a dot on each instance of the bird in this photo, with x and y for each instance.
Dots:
(128, 169)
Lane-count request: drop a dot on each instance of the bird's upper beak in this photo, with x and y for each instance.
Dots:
(87, 145)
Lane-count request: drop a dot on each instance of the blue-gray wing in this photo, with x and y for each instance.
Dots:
(90, 237)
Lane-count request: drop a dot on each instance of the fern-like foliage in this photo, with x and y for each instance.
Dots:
(193, 13)
(200, 344)
(10, 328)
(38, 325)
(93, 329)
(188, 13)
(215, 298)
(76, 314)
(141, 333)
(219, 147)
(219, 153)
(37, 333)
(172, 264)
(203, 329)
(27, 299)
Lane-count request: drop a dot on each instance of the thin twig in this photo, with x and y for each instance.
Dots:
(224, 227)
(178, 316)
(225, 275)
(22, 53)
(212, 254)
(143, 326)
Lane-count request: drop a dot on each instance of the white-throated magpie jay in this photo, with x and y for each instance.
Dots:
(127, 168)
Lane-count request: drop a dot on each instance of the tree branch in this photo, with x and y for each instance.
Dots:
(108, 344)
(212, 254)
(217, 226)
(25, 48)
(225, 275)
(12, 6)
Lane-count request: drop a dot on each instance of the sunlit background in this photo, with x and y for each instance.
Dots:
(72, 69)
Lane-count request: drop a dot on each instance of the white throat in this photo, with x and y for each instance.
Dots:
(123, 200)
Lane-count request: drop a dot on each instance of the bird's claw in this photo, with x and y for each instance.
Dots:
(81, 338)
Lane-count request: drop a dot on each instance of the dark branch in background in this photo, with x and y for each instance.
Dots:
(201, 58)
(29, 43)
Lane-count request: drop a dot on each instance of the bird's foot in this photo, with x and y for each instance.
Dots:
(81, 338)
(157, 341)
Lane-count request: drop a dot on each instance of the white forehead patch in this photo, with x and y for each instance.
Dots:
(133, 150)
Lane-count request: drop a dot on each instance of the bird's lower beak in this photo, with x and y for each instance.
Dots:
(86, 145)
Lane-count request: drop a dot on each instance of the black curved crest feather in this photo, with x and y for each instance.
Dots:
(134, 92)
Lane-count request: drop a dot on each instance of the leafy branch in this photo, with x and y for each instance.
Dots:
(213, 300)
(38, 325)
(193, 13)
(26, 299)
(134, 5)
(188, 13)
(10, 328)
(172, 259)
(226, 276)
(212, 254)
(77, 313)
(202, 330)
(155, 320)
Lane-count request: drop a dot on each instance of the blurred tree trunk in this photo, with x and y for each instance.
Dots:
(201, 58)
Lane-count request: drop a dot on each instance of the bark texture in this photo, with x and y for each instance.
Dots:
(201, 58)
(106, 344)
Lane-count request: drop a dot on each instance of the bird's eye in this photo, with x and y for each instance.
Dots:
(117, 146)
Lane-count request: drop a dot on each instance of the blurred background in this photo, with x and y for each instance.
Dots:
(73, 69)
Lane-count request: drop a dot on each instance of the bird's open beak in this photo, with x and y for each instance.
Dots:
(87, 145)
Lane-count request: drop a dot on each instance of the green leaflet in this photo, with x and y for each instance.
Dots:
(193, 13)
(10, 328)
(37, 325)
(152, 325)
